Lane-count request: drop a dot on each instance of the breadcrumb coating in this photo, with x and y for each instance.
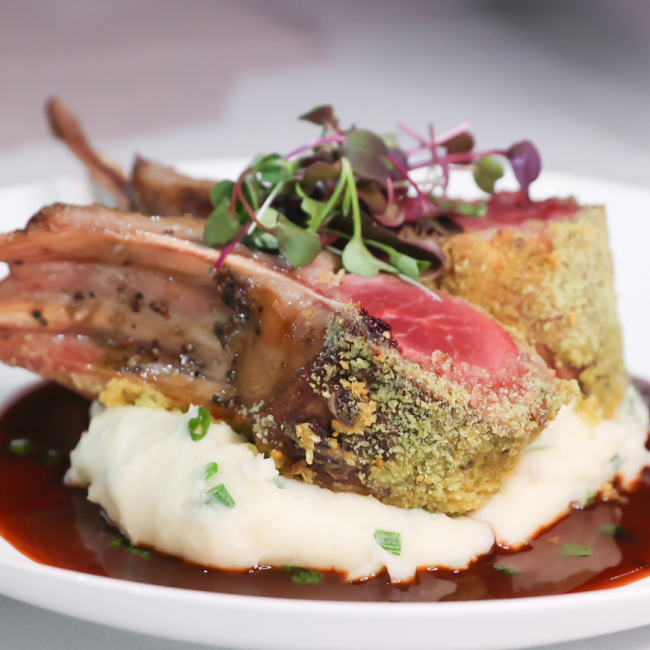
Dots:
(552, 281)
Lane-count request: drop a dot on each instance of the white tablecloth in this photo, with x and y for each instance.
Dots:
(191, 79)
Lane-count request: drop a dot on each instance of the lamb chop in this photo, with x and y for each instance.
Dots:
(545, 268)
(153, 189)
(371, 385)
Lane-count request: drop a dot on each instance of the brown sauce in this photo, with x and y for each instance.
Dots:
(601, 546)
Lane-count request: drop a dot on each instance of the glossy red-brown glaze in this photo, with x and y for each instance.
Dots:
(513, 209)
(56, 525)
(421, 324)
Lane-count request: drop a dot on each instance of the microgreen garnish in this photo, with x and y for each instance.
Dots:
(304, 576)
(221, 495)
(20, 447)
(391, 542)
(210, 470)
(355, 190)
(506, 570)
(134, 550)
(576, 550)
(198, 426)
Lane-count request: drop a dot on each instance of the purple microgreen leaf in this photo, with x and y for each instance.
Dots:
(321, 115)
(526, 163)
(221, 191)
(367, 154)
(446, 226)
(220, 227)
(321, 171)
(460, 143)
(371, 194)
(299, 246)
(487, 171)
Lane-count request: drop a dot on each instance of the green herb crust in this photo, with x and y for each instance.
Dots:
(363, 418)
(553, 282)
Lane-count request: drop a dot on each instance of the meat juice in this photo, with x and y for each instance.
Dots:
(603, 545)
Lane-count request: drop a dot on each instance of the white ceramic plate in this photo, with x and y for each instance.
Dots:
(270, 624)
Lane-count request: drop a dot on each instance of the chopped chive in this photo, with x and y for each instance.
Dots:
(279, 484)
(210, 470)
(538, 448)
(616, 461)
(134, 550)
(20, 446)
(304, 576)
(220, 494)
(202, 421)
(611, 529)
(589, 496)
(506, 570)
(576, 550)
(391, 542)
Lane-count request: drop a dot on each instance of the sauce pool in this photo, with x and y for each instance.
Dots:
(606, 544)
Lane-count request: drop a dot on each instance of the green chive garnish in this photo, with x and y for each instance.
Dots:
(576, 550)
(506, 570)
(391, 542)
(210, 470)
(201, 421)
(220, 494)
(304, 576)
(20, 446)
(134, 550)
(611, 529)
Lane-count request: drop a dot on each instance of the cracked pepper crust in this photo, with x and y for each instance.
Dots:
(553, 282)
(442, 440)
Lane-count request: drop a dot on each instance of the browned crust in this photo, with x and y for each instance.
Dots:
(166, 193)
(552, 281)
(153, 189)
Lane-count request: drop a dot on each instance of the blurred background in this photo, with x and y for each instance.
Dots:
(203, 78)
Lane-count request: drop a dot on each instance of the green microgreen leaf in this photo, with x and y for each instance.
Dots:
(220, 495)
(358, 259)
(198, 426)
(506, 570)
(210, 470)
(391, 542)
(576, 550)
(273, 169)
(262, 240)
(367, 154)
(315, 210)
(21, 447)
(134, 550)
(487, 171)
(405, 264)
(467, 208)
(304, 576)
(220, 227)
(298, 245)
(221, 192)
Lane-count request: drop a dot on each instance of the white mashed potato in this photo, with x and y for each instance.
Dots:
(158, 485)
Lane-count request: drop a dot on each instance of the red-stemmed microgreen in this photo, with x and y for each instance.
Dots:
(355, 189)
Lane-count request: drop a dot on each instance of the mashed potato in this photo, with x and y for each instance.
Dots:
(217, 502)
